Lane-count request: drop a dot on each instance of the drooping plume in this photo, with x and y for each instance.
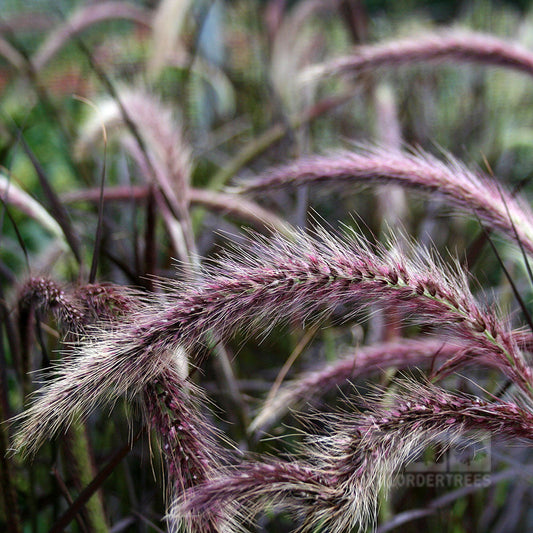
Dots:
(187, 440)
(335, 485)
(274, 280)
(314, 384)
(451, 47)
(472, 192)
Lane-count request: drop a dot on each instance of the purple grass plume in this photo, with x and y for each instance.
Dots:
(451, 47)
(188, 442)
(335, 485)
(470, 191)
(169, 155)
(84, 18)
(153, 137)
(314, 384)
(45, 295)
(442, 356)
(274, 280)
(76, 308)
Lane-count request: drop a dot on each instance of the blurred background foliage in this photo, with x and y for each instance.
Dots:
(227, 71)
